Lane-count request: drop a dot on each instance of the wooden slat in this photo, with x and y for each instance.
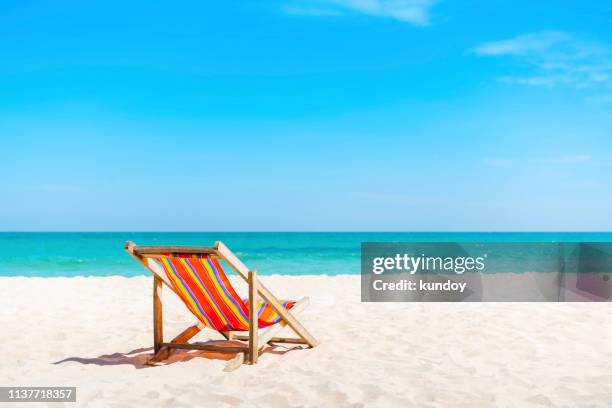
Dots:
(161, 250)
(150, 264)
(206, 347)
(287, 340)
(253, 319)
(187, 334)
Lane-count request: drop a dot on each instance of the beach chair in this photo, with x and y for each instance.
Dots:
(196, 276)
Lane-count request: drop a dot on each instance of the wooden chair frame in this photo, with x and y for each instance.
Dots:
(255, 339)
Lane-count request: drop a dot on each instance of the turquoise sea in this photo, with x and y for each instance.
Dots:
(292, 253)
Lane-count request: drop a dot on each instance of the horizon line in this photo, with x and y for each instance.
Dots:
(295, 231)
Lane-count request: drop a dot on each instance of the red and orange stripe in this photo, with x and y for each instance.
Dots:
(202, 285)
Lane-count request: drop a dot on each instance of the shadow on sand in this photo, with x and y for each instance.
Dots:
(139, 357)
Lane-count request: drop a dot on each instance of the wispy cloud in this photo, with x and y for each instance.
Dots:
(416, 12)
(523, 44)
(553, 58)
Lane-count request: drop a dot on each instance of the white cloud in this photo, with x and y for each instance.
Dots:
(553, 58)
(522, 44)
(415, 12)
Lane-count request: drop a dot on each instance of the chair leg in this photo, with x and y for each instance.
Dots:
(253, 318)
(158, 325)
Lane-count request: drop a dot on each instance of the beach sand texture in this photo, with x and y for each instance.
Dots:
(95, 333)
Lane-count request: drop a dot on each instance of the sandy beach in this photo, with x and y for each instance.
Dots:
(95, 333)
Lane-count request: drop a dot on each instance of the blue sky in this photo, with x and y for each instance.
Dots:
(410, 115)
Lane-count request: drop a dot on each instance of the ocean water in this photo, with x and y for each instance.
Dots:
(291, 253)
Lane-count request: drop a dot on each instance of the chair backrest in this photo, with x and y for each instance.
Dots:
(201, 283)
(196, 276)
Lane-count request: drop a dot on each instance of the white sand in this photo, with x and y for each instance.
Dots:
(381, 355)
